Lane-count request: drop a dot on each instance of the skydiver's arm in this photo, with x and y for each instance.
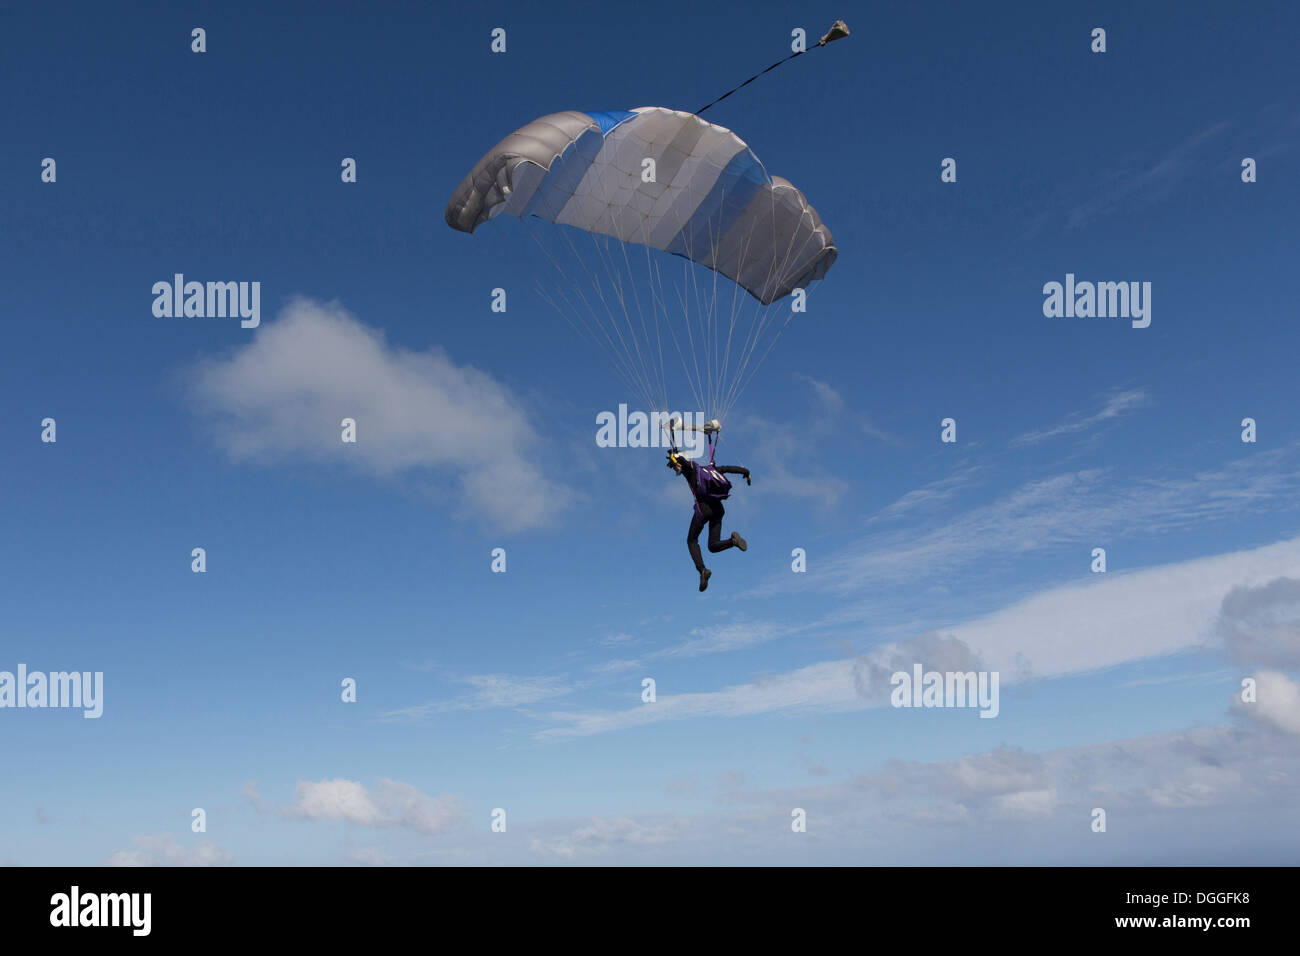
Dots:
(735, 470)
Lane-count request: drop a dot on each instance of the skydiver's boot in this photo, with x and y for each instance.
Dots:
(739, 542)
(704, 578)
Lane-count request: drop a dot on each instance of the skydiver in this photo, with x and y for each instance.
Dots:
(709, 488)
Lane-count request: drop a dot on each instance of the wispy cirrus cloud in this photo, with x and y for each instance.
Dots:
(736, 636)
(775, 449)
(1074, 629)
(931, 495)
(1059, 511)
(832, 414)
(1115, 405)
(518, 692)
(815, 688)
(778, 444)
(1153, 182)
(489, 691)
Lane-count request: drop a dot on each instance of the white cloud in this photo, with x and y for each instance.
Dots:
(1052, 513)
(1025, 804)
(1210, 795)
(615, 640)
(367, 856)
(558, 848)
(604, 832)
(390, 804)
(607, 833)
(1199, 796)
(1108, 620)
(1115, 618)
(1277, 702)
(1261, 625)
(282, 397)
(334, 800)
(163, 850)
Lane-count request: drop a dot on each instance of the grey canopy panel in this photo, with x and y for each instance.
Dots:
(491, 180)
(709, 198)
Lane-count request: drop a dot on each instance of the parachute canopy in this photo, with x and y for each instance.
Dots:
(709, 198)
(638, 185)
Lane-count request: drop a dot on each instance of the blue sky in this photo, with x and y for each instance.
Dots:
(522, 690)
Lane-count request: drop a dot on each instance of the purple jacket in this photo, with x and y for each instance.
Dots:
(699, 484)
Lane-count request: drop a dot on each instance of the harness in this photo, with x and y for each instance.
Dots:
(712, 431)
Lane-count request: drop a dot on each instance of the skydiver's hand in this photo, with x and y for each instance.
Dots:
(747, 481)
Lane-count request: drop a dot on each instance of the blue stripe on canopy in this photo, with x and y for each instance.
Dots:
(730, 196)
(608, 119)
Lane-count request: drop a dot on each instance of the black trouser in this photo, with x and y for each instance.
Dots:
(712, 513)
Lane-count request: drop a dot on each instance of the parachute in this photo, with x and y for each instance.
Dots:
(675, 185)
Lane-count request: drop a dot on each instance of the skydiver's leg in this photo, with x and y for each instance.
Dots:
(693, 540)
(693, 543)
(716, 543)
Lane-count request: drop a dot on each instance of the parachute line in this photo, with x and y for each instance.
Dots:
(838, 29)
(714, 206)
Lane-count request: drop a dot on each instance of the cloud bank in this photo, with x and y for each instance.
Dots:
(281, 398)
